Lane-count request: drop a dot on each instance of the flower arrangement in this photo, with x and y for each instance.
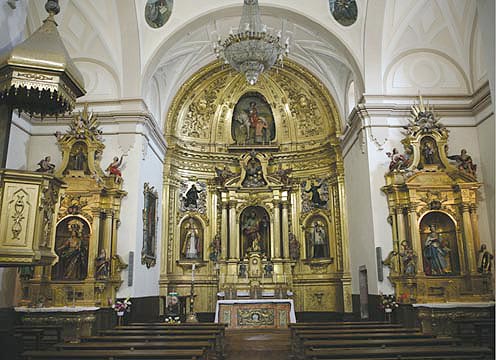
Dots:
(388, 303)
(120, 307)
(173, 320)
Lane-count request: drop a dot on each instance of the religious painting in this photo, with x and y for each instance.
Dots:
(314, 195)
(344, 12)
(191, 239)
(254, 230)
(429, 154)
(317, 238)
(439, 245)
(193, 197)
(253, 174)
(71, 245)
(253, 121)
(150, 205)
(157, 12)
(78, 158)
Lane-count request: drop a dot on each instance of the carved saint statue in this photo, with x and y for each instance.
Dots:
(294, 247)
(78, 159)
(316, 198)
(254, 176)
(191, 248)
(46, 166)
(408, 259)
(428, 153)
(102, 263)
(114, 168)
(318, 240)
(254, 229)
(464, 162)
(191, 198)
(436, 253)
(484, 259)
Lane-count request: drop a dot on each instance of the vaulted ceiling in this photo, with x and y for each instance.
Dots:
(395, 48)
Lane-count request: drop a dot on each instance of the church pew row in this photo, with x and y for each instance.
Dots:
(136, 345)
(108, 354)
(414, 352)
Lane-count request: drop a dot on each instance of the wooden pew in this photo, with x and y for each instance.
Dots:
(416, 352)
(324, 344)
(106, 354)
(136, 345)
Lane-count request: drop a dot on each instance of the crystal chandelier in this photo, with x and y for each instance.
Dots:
(252, 50)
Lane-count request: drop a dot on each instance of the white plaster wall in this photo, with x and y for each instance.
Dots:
(19, 143)
(12, 24)
(360, 222)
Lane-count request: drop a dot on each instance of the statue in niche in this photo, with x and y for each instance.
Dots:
(436, 253)
(253, 122)
(46, 166)
(268, 269)
(102, 263)
(484, 259)
(318, 244)
(114, 168)
(254, 229)
(464, 162)
(191, 198)
(254, 175)
(72, 250)
(317, 199)
(191, 248)
(428, 150)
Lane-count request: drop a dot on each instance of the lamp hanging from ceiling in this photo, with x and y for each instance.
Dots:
(38, 76)
(252, 49)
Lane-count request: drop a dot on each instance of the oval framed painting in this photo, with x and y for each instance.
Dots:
(157, 12)
(344, 12)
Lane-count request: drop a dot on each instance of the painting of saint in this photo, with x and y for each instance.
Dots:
(191, 239)
(317, 239)
(254, 226)
(253, 121)
(428, 150)
(71, 245)
(78, 159)
(157, 12)
(344, 11)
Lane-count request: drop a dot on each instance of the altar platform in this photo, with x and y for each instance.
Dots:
(255, 313)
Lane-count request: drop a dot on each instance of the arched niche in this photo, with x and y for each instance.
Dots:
(78, 158)
(72, 246)
(439, 244)
(317, 237)
(191, 239)
(254, 229)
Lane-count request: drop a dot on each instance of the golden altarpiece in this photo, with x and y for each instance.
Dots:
(437, 252)
(88, 269)
(254, 200)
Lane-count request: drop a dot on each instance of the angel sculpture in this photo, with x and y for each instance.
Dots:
(464, 162)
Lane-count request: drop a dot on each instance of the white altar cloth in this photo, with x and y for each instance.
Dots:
(292, 315)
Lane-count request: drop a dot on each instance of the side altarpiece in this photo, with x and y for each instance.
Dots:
(437, 252)
(88, 269)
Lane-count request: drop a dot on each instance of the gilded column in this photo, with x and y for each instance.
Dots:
(469, 239)
(401, 224)
(285, 230)
(233, 240)
(224, 235)
(276, 241)
(475, 227)
(107, 231)
(415, 236)
(93, 245)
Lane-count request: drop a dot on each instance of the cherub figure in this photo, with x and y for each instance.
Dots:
(398, 161)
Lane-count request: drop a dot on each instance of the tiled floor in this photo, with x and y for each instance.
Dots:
(257, 344)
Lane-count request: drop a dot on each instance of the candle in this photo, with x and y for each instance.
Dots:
(193, 272)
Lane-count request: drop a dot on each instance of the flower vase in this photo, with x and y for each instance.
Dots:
(120, 315)
(388, 312)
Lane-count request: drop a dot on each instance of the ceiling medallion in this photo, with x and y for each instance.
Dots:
(344, 12)
(252, 49)
(157, 12)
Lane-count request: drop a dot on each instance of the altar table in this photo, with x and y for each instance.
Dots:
(255, 313)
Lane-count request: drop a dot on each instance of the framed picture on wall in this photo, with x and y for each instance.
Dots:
(150, 205)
